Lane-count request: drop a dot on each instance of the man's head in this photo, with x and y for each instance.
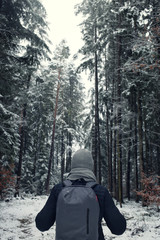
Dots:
(82, 159)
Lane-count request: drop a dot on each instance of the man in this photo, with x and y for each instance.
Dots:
(82, 172)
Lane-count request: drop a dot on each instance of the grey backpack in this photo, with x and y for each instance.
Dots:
(77, 212)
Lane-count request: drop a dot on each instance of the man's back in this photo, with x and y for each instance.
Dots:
(81, 173)
(113, 218)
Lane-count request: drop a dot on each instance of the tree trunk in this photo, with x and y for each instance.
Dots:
(69, 153)
(148, 166)
(108, 135)
(140, 131)
(140, 136)
(115, 188)
(70, 149)
(36, 147)
(21, 133)
(158, 162)
(22, 142)
(62, 155)
(108, 153)
(128, 187)
(52, 141)
(136, 148)
(119, 134)
(97, 160)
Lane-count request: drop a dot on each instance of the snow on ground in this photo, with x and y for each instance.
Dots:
(17, 221)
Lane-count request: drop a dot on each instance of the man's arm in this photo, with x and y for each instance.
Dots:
(114, 219)
(46, 217)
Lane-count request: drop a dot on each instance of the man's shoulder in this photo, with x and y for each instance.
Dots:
(101, 187)
(57, 188)
(101, 190)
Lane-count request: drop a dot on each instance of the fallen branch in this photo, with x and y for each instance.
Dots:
(129, 218)
(157, 226)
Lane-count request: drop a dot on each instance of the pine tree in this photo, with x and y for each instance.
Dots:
(18, 18)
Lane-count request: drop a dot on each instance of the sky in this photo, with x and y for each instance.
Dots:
(63, 23)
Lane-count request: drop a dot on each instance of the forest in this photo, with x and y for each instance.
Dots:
(44, 110)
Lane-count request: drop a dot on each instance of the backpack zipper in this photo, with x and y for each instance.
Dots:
(87, 220)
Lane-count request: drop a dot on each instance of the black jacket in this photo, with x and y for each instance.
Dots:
(113, 218)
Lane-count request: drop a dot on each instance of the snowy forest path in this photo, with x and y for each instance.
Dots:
(17, 221)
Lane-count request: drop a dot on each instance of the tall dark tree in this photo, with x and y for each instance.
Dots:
(91, 50)
(17, 20)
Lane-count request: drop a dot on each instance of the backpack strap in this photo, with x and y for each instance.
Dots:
(67, 183)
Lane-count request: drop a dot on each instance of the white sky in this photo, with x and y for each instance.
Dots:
(63, 23)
